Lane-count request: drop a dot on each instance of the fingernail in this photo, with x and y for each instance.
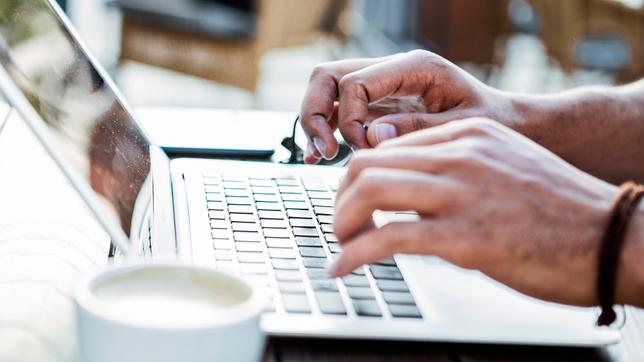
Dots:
(321, 146)
(310, 151)
(384, 131)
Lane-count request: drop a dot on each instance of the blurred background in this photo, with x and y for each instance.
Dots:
(258, 53)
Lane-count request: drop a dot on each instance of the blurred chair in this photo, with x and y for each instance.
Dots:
(232, 60)
(601, 34)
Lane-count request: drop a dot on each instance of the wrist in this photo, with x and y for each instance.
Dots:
(629, 286)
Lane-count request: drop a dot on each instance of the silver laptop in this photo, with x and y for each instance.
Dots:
(269, 223)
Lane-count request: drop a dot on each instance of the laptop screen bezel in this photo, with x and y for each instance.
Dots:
(162, 233)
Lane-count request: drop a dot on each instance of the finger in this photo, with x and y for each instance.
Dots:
(388, 190)
(394, 125)
(398, 76)
(311, 155)
(444, 133)
(434, 160)
(377, 244)
(318, 104)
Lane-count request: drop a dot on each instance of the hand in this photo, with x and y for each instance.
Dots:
(395, 95)
(489, 199)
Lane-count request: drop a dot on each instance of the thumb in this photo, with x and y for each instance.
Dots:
(394, 125)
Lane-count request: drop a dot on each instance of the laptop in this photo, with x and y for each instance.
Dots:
(269, 223)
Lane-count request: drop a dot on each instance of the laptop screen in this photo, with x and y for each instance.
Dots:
(87, 123)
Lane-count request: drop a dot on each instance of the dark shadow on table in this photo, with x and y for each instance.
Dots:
(320, 350)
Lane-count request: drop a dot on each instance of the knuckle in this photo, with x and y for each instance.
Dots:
(349, 81)
(358, 163)
(320, 71)
(369, 182)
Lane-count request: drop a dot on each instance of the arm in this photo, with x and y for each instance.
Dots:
(598, 129)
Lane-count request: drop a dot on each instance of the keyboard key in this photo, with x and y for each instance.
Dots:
(281, 253)
(262, 190)
(307, 223)
(293, 198)
(216, 197)
(335, 248)
(398, 298)
(266, 198)
(216, 215)
(306, 241)
(291, 287)
(277, 224)
(244, 246)
(215, 205)
(392, 285)
(234, 185)
(367, 308)
(315, 274)
(236, 192)
(258, 269)
(296, 303)
(242, 217)
(290, 189)
(222, 244)
(311, 184)
(331, 238)
(261, 182)
(322, 203)
(238, 201)
(321, 210)
(404, 311)
(277, 233)
(218, 224)
(385, 272)
(355, 281)
(286, 181)
(241, 209)
(208, 180)
(327, 228)
(305, 232)
(274, 206)
(279, 243)
(301, 214)
(359, 271)
(323, 195)
(288, 275)
(312, 252)
(295, 205)
(213, 189)
(387, 262)
(315, 262)
(264, 214)
(330, 303)
(246, 236)
(234, 178)
(328, 285)
(325, 219)
(223, 255)
(360, 293)
(220, 234)
(285, 264)
(244, 226)
(251, 257)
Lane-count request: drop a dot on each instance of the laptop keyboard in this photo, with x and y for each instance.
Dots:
(278, 234)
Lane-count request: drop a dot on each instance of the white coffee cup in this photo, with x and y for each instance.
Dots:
(167, 312)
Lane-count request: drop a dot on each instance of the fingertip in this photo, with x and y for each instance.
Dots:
(381, 132)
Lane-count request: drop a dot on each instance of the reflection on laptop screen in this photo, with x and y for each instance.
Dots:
(86, 121)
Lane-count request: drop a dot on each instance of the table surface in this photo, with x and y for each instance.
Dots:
(44, 332)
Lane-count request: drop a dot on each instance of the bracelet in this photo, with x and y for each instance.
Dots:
(624, 206)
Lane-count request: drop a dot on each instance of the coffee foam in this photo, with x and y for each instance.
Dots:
(169, 298)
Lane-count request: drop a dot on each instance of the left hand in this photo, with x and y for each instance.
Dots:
(489, 199)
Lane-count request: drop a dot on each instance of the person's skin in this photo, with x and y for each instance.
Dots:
(597, 129)
(489, 198)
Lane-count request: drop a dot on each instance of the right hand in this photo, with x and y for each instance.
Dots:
(394, 95)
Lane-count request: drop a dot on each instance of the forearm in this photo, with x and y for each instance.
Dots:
(598, 129)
